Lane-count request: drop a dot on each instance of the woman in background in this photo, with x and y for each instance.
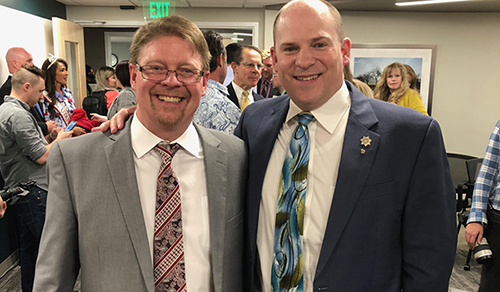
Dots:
(126, 98)
(412, 77)
(58, 100)
(360, 85)
(107, 84)
(393, 87)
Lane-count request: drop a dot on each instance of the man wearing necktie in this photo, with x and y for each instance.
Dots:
(247, 67)
(157, 206)
(344, 192)
(265, 85)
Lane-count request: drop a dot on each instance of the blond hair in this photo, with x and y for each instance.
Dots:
(383, 92)
(171, 26)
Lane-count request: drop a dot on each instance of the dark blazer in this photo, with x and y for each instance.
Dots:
(7, 88)
(234, 98)
(392, 221)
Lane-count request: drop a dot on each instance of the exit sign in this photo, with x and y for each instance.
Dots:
(154, 10)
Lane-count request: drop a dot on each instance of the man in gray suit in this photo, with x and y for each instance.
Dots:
(103, 192)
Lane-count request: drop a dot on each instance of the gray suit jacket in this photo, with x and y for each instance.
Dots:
(95, 221)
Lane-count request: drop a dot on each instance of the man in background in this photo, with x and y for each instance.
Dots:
(216, 111)
(344, 193)
(23, 153)
(265, 85)
(230, 50)
(247, 67)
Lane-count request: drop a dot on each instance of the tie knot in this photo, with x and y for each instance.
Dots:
(167, 148)
(245, 93)
(305, 118)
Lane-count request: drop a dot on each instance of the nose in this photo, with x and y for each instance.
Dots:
(304, 58)
(171, 79)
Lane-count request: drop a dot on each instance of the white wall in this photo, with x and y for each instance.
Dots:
(28, 31)
(466, 97)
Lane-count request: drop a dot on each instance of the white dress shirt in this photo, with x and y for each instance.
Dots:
(326, 132)
(189, 167)
(239, 93)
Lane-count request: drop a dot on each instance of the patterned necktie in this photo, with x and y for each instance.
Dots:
(287, 269)
(245, 101)
(168, 246)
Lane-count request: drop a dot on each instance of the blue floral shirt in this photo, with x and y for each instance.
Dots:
(487, 188)
(216, 111)
(64, 110)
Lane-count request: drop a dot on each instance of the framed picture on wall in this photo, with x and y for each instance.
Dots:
(369, 60)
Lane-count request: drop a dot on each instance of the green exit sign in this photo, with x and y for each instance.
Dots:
(154, 10)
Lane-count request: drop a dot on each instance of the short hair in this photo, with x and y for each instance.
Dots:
(122, 73)
(49, 67)
(238, 55)
(101, 77)
(216, 47)
(230, 50)
(333, 12)
(26, 73)
(171, 26)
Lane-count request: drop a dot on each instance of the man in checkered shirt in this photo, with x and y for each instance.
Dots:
(484, 216)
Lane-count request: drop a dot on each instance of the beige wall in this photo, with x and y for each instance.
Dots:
(466, 97)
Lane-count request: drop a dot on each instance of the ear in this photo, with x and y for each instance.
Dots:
(26, 86)
(274, 59)
(234, 66)
(204, 84)
(346, 51)
(133, 76)
(220, 60)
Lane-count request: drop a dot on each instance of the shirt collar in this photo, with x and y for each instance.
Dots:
(239, 91)
(330, 113)
(216, 85)
(143, 140)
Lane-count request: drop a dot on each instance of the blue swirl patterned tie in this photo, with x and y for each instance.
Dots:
(287, 269)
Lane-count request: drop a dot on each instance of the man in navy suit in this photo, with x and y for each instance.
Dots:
(379, 208)
(247, 67)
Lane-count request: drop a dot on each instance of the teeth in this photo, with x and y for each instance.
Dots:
(307, 78)
(168, 98)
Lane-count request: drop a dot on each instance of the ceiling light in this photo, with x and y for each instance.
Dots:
(427, 2)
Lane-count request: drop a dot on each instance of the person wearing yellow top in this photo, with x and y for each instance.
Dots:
(393, 87)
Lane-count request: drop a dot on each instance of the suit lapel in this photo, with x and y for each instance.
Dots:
(232, 94)
(120, 161)
(260, 148)
(216, 175)
(353, 172)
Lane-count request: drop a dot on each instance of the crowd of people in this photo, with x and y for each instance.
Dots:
(231, 168)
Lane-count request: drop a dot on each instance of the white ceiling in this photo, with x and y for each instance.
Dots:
(342, 5)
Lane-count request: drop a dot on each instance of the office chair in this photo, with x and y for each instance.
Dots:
(463, 188)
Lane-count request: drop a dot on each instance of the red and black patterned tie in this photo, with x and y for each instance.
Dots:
(168, 247)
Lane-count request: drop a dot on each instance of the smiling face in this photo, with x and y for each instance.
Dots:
(308, 55)
(394, 79)
(61, 74)
(244, 76)
(166, 108)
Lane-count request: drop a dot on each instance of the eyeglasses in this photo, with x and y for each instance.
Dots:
(253, 65)
(160, 73)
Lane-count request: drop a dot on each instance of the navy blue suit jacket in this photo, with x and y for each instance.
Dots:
(234, 98)
(392, 220)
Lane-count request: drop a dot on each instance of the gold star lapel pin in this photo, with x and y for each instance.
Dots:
(365, 141)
